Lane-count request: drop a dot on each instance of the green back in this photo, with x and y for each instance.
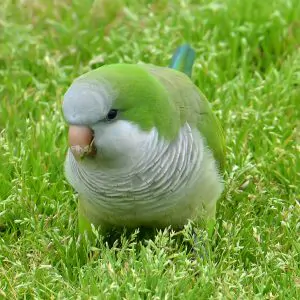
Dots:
(193, 108)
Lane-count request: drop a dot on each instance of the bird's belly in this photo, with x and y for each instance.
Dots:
(197, 196)
(165, 212)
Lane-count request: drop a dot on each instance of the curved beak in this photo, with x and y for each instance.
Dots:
(81, 141)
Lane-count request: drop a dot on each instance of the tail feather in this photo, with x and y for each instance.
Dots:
(183, 59)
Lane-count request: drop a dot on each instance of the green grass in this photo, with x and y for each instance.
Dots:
(248, 65)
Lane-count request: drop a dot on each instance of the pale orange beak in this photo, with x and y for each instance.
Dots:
(81, 141)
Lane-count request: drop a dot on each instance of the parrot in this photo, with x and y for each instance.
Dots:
(144, 147)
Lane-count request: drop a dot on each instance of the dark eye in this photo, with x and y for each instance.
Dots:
(112, 114)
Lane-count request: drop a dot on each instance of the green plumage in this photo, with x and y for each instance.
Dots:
(183, 59)
(164, 98)
(193, 107)
(141, 98)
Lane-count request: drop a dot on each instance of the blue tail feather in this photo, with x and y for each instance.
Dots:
(183, 59)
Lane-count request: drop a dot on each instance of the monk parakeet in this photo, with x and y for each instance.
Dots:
(145, 148)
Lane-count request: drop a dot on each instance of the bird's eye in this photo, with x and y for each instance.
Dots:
(112, 114)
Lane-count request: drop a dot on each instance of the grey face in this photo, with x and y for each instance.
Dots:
(86, 103)
(118, 143)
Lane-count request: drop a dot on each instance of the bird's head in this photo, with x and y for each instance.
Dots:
(112, 113)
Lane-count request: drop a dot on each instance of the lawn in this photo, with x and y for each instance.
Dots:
(248, 65)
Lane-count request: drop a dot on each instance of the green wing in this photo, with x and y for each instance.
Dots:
(193, 108)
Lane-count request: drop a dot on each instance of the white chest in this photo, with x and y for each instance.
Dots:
(168, 184)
